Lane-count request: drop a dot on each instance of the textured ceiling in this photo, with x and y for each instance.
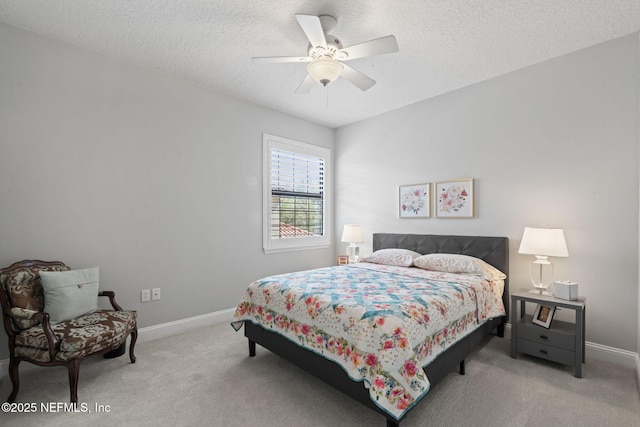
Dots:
(444, 44)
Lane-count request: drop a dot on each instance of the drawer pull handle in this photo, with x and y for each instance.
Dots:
(544, 337)
(543, 351)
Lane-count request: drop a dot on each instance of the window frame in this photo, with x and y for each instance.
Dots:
(275, 245)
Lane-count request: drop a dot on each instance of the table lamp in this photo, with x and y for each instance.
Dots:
(352, 234)
(543, 243)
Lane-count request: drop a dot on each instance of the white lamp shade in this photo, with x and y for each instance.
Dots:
(352, 233)
(324, 70)
(543, 241)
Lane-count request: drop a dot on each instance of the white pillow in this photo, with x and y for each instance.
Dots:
(397, 257)
(461, 264)
(69, 294)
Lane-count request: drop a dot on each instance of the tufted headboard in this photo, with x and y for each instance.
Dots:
(492, 250)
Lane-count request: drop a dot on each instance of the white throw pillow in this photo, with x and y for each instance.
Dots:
(69, 294)
(461, 264)
(397, 257)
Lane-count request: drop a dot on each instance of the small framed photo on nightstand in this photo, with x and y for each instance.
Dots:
(543, 315)
(343, 259)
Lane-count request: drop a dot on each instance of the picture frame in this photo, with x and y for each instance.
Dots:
(343, 259)
(543, 315)
(414, 200)
(454, 199)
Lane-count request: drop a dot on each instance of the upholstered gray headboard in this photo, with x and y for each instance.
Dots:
(492, 250)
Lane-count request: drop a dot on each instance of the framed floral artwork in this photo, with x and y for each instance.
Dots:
(454, 199)
(415, 201)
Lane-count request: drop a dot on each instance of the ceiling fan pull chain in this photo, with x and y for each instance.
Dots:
(326, 88)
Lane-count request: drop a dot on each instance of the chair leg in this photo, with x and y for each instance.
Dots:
(134, 337)
(73, 366)
(15, 379)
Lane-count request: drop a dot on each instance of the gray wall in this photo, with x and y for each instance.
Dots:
(154, 178)
(158, 180)
(555, 144)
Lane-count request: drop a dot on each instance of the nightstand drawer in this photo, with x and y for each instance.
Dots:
(548, 352)
(559, 336)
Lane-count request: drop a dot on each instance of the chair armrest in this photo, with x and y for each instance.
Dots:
(26, 314)
(17, 314)
(52, 339)
(112, 299)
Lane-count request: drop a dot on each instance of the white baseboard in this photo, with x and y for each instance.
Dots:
(163, 330)
(613, 355)
(150, 333)
(638, 371)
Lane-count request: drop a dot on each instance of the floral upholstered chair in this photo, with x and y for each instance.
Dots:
(51, 316)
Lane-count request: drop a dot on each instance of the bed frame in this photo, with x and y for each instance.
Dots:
(493, 250)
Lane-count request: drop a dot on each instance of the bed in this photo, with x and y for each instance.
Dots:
(408, 346)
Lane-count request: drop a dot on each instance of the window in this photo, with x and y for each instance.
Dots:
(295, 204)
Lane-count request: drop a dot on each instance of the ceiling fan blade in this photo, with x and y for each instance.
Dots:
(357, 78)
(279, 59)
(313, 29)
(379, 46)
(306, 85)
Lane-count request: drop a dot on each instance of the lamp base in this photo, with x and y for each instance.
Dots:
(541, 273)
(354, 253)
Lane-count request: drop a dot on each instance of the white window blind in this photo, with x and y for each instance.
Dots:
(295, 194)
(297, 191)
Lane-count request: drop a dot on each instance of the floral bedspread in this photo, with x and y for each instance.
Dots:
(380, 323)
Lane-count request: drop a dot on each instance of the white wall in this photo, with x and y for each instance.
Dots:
(154, 178)
(555, 144)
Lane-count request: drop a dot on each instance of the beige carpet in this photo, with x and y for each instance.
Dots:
(205, 377)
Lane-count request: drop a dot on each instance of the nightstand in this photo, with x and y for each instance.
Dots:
(563, 342)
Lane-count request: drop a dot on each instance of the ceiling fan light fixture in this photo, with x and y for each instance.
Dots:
(326, 53)
(324, 70)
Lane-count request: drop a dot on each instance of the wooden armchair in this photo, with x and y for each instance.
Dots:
(34, 338)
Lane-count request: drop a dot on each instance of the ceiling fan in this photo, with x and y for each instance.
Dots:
(326, 55)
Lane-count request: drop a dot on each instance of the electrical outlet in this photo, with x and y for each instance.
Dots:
(155, 294)
(145, 295)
